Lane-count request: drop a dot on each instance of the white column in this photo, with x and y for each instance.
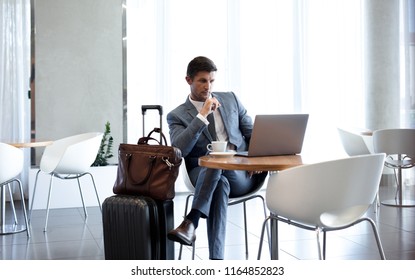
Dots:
(381, 58)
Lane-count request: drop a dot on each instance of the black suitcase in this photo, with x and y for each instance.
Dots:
(135, 228)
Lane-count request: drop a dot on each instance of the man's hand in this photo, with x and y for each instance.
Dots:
(252, 173)
(210, 105)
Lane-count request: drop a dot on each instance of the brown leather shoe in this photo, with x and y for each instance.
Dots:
(184, 234)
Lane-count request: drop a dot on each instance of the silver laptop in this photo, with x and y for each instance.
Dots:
(277, 135)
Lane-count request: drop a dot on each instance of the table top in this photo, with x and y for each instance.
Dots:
(266, 163)
(32, 144)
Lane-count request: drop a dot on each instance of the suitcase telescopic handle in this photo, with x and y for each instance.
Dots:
(144, 108)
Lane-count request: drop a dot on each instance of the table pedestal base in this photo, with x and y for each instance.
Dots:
(274, 239)
(397, 203)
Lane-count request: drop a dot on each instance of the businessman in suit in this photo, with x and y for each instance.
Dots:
(204, 117)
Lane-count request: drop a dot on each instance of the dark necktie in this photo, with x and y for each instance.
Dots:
(211, 126)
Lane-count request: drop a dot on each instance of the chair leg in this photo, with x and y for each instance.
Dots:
(246, 220)
(261, 240)
(181, 245)
(82, 197)
(33, 196)
(246, 231)
(96, 191)
(376, 203)
(324, 244)
(320, 255)
(377, 200)
(24, 208)
(379, 243)
(48, 203)
(12, 204)
(180, 252)
(265, 216)
(193, 250)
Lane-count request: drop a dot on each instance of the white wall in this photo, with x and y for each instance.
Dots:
(78, 64)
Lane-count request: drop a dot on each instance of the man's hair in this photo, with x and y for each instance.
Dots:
(199, 64)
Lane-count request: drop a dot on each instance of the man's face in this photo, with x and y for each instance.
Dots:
(201, 85)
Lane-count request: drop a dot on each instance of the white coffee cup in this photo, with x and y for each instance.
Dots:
(217, 146)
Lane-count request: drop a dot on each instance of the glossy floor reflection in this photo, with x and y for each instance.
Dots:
(69, 237)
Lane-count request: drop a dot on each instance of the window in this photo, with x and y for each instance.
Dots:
(278, 56)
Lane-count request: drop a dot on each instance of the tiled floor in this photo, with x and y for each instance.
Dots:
(69, 237)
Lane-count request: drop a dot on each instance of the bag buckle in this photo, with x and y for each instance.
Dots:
(166, 160)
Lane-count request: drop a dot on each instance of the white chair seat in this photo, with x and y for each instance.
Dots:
(342, 218)
(354, 144)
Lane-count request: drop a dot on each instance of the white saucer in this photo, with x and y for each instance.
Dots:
(223, 154)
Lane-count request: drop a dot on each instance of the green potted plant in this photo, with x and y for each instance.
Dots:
(105, 150)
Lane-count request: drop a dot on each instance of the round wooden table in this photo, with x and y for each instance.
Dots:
(266, 163)
(31, 144)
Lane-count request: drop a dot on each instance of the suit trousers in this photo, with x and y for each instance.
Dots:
(213, 187)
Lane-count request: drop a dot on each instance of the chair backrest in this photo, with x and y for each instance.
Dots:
(186, 178)
(11, 162)
(311, 193)
(353, 143)
(396, 141)
(71, 155)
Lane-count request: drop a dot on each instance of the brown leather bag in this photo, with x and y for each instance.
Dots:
(148, 170)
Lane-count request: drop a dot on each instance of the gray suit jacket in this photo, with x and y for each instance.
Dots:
(191, 135)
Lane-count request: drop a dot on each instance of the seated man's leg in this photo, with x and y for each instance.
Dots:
(241, 182)
(205, 185)
(216, 222)
(204, 188)
(238, 183)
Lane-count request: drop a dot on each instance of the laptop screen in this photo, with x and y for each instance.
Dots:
(281, 134)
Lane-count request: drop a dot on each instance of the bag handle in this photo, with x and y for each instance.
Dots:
(144, 140)
(127, 170)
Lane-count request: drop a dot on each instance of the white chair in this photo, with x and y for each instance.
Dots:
(69, 158)
(353, 143)
(323, 197)
(232, 201)
(399, 146)
(11, 165)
